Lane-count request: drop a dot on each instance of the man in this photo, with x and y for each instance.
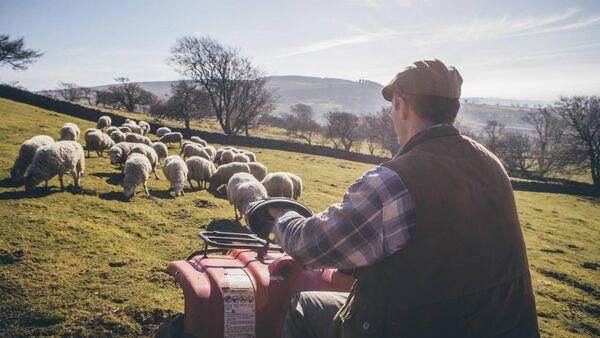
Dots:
(432, 235)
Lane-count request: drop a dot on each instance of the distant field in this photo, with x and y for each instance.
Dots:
(91, 264)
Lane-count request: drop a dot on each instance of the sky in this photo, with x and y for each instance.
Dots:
(534, 50)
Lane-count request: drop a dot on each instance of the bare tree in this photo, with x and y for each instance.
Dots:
(389, 139)
(187, 102)
(370, 129)
(515, 153)
(548, 148)
(492, 135)
(70, 91)
(342, 129)
(236, 89)
(14, 53)
(129, 95)
(104, 98)
(582, 114)
(300, 122)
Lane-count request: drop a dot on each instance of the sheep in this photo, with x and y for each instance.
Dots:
(243, 189)
(109, 130)
(104, 122)
(145, 127)
(57, 158)
(258, 170)
(220, 151)
(136, 138)
(250, 155)
(136, 170)
(26, 154)
(90, 130)
(161, 150)
(134, 128)
(118, 136)
(129, 121)
(194, 149)
(176, 172)
(149, 152)
(118, 153)
(98, 142)
(198, 140)
(226, 157)
(224, 173)
(211, 151)
(172, 138)
(125, 129)
(279, 184)
(200, 170)
(240, 158)
(69, 132)
(297, 181)
(160, 132)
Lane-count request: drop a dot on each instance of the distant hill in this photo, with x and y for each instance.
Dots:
(363, 96)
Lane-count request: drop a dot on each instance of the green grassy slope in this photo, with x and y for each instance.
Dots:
(90, 263)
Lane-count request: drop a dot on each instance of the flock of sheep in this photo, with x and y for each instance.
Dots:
(129, 148)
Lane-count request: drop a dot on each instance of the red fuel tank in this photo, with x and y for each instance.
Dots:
(245, 292)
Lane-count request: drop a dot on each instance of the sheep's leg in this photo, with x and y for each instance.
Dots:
(60, 179)
(236, 213)
(146, 188)
(46, 184)
(191, 185)
(89, 154)
(75, 175)
(199, 186)
(156, 174)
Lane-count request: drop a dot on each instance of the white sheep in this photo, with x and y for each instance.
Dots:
(160, 132)
(279, 184)
(145, 127)
(134, 128)
(129, 121)
(90, 130)
(198, 140)
(243, 189)
(161, 150)
(172, 138)
(251, 155)
(176, 172)
(226, 156)
(104, 122)
(118, 136)
(220, 151)
(258, 170)
(224, 173)
(149, 152)
(118, 153)
(98, 142)
(137, 138)
(200, 170)
(241, 157)
(297, 181)
(69, 132)
(57, 158)
(211, 151)
(109, 130)
(194, 149)
(125, 129)
(26, 154)
(136, 170)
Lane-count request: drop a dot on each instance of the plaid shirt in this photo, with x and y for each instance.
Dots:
(375, 219)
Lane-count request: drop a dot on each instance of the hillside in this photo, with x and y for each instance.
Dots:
(91, 264)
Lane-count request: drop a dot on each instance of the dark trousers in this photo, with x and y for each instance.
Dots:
(310, 313)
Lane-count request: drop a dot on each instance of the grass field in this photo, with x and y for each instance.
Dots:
(92, 264)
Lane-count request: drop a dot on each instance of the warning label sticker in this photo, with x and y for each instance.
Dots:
(239, 305)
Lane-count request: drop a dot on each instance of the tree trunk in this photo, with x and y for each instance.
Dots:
(187, 124)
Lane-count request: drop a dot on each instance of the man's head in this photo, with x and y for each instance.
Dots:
(424, 94)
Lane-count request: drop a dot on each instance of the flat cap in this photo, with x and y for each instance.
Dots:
(426, 77)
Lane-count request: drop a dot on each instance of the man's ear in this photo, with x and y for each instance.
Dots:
(401, 106)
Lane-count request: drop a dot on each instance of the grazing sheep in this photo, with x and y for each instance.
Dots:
(109, 130)
(69, 132)
(251, 155)
(279, 185)
(26, 154)
(129, 121)
(211, 151)
(297, 181)
(134, 128)
(136, 138)
(125, 129)
(118, 136)
(145, 127)
(98, 142)
(172, 138)
(160, 132)
(220, 151)
(198, 140)
(199, 170)
(149, 152)
(137, 170)
(161, 150)
(57, 158)
(224, 173)
(258, 170)
(243, 189)
(104, 122)
(240, 158)
(176, 172)
(119, 152)
(90, 130)
(226, 157)
(194, 149)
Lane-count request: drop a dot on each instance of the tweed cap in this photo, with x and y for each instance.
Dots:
(426, 77)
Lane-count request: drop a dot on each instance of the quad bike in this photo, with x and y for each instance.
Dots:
(240, 285)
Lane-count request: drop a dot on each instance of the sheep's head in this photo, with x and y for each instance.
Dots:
(16, 171)
(29, 181)
(128, 189)
(177, 188)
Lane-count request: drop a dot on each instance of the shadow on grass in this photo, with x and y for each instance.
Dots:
(227, 225)
(22, 194)
(10, 183)
(113, 196)
(162, 194)
(114, 178)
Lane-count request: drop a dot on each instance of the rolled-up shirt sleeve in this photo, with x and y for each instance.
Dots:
(375, 219)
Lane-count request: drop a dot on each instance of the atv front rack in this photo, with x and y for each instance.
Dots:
(221, 242)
